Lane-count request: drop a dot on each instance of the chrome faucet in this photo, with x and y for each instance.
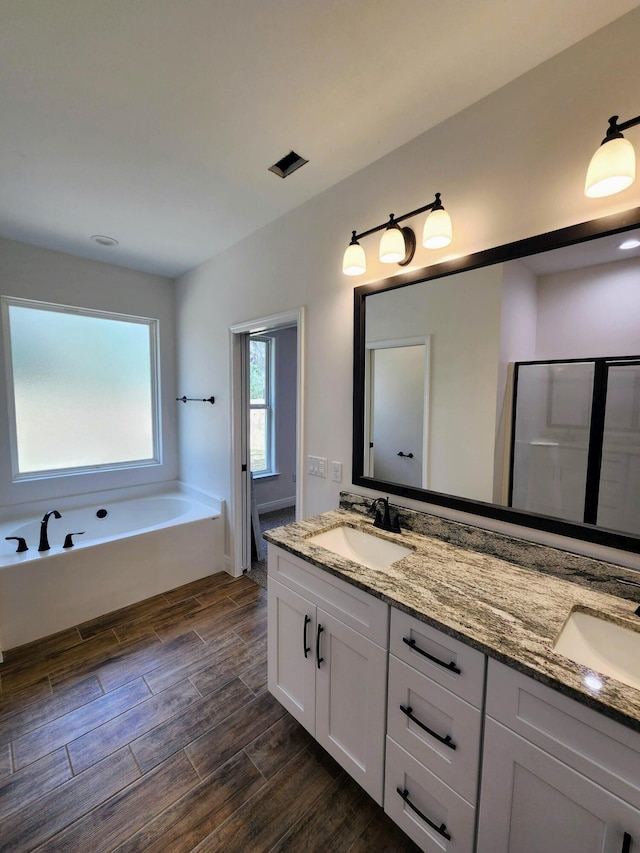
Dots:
(44, 539)
(383, 519)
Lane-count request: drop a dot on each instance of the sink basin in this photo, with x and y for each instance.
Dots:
(603, 646)
(360, 547)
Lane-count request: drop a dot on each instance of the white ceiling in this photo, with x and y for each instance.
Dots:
(155, 121)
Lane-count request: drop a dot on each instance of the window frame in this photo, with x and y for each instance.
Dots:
(268, 406)
(152, 324)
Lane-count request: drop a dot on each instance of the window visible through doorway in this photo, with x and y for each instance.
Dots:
(261, 405)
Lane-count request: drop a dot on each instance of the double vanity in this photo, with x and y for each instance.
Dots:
(487, 705)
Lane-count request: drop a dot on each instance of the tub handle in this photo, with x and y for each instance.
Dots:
(22, 545)
(68, 541)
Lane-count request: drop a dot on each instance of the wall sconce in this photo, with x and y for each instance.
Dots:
(398, 245)
(613, 166)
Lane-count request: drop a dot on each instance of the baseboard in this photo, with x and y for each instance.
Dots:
(272, 506)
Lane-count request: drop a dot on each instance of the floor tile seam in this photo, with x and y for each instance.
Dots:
(21, 805)
(85, 815)
(335, 783)
(196, 737)
(42, 654)
(90, 661)
(206, 662)
(155, 647)
(66, 743)
(122, 713)
(13, 735)
(246, 803)
(151, 618)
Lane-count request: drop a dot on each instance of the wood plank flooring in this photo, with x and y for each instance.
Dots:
(151, 729)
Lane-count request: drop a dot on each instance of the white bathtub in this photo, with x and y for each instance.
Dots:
(149, 542)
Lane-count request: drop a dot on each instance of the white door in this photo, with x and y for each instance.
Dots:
(398, 404)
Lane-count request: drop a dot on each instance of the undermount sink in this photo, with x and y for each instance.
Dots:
(360, 547)
(604, 646)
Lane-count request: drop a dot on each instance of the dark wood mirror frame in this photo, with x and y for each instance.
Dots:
(616, 223)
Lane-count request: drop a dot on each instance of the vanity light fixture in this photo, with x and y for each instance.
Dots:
(398, 244)
(613, 166)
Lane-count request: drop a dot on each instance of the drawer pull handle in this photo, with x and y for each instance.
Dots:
(626, 843)
(445, 740)
(319, 659)
(442, 829)
(307, 649)
(450, 666)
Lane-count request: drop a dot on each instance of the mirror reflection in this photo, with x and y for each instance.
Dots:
(439, 379)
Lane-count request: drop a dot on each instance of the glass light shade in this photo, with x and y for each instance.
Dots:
(612, 169)
(437, 230)
(354, 261)
(392, 246)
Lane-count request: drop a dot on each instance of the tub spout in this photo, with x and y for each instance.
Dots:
(44, 524)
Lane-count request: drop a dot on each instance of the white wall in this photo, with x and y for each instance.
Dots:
(33, 273)
(590, 312)
(509, 167)
(462, 315)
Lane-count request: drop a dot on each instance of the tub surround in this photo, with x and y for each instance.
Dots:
(454, 580)
(159, 539)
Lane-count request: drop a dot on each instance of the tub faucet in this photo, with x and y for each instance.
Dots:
(383, 519)
(44, 539)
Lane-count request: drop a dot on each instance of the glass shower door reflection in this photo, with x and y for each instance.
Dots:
(619, 492)
(551, 446)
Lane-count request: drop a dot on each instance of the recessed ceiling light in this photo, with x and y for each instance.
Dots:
(632, 243)
(102, 240)
(287, 164)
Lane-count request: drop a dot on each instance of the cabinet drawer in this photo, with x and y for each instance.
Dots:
(422, 714)
(447, 661)
(356, 608)
(598, 747)
(431, 813)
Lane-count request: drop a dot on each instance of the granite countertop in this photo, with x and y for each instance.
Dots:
(511, 613)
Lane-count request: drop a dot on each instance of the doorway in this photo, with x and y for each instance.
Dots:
(266, 430)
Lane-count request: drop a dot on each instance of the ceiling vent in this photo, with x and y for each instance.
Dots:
(288, 164)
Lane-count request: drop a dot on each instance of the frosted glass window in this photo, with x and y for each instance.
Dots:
(84, 389)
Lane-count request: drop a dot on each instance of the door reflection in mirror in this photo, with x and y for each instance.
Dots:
(397, 449)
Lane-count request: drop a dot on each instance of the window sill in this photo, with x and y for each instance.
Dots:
(267, 475)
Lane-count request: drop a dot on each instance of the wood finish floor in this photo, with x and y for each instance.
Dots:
(151, 729)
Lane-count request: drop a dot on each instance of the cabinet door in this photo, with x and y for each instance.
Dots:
(291, 661)
(531, 802)
(351, 683)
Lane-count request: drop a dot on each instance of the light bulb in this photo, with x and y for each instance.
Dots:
(612, 168)
(392, 246)
(437, 230)
(354, 261)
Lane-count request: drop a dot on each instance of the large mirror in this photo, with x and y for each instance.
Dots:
(504, 384)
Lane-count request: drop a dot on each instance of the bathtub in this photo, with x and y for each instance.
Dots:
(145, 543)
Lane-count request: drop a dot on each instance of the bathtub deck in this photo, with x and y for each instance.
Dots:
(151, 728)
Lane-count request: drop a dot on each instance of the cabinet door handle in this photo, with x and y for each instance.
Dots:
(626, 843)
(306, 648)
(445, 740)
(442, 829)
(412, 645)
(319, 659)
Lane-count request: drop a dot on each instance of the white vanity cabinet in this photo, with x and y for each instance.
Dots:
(557, 776)
(327, 663)
(434, 726)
